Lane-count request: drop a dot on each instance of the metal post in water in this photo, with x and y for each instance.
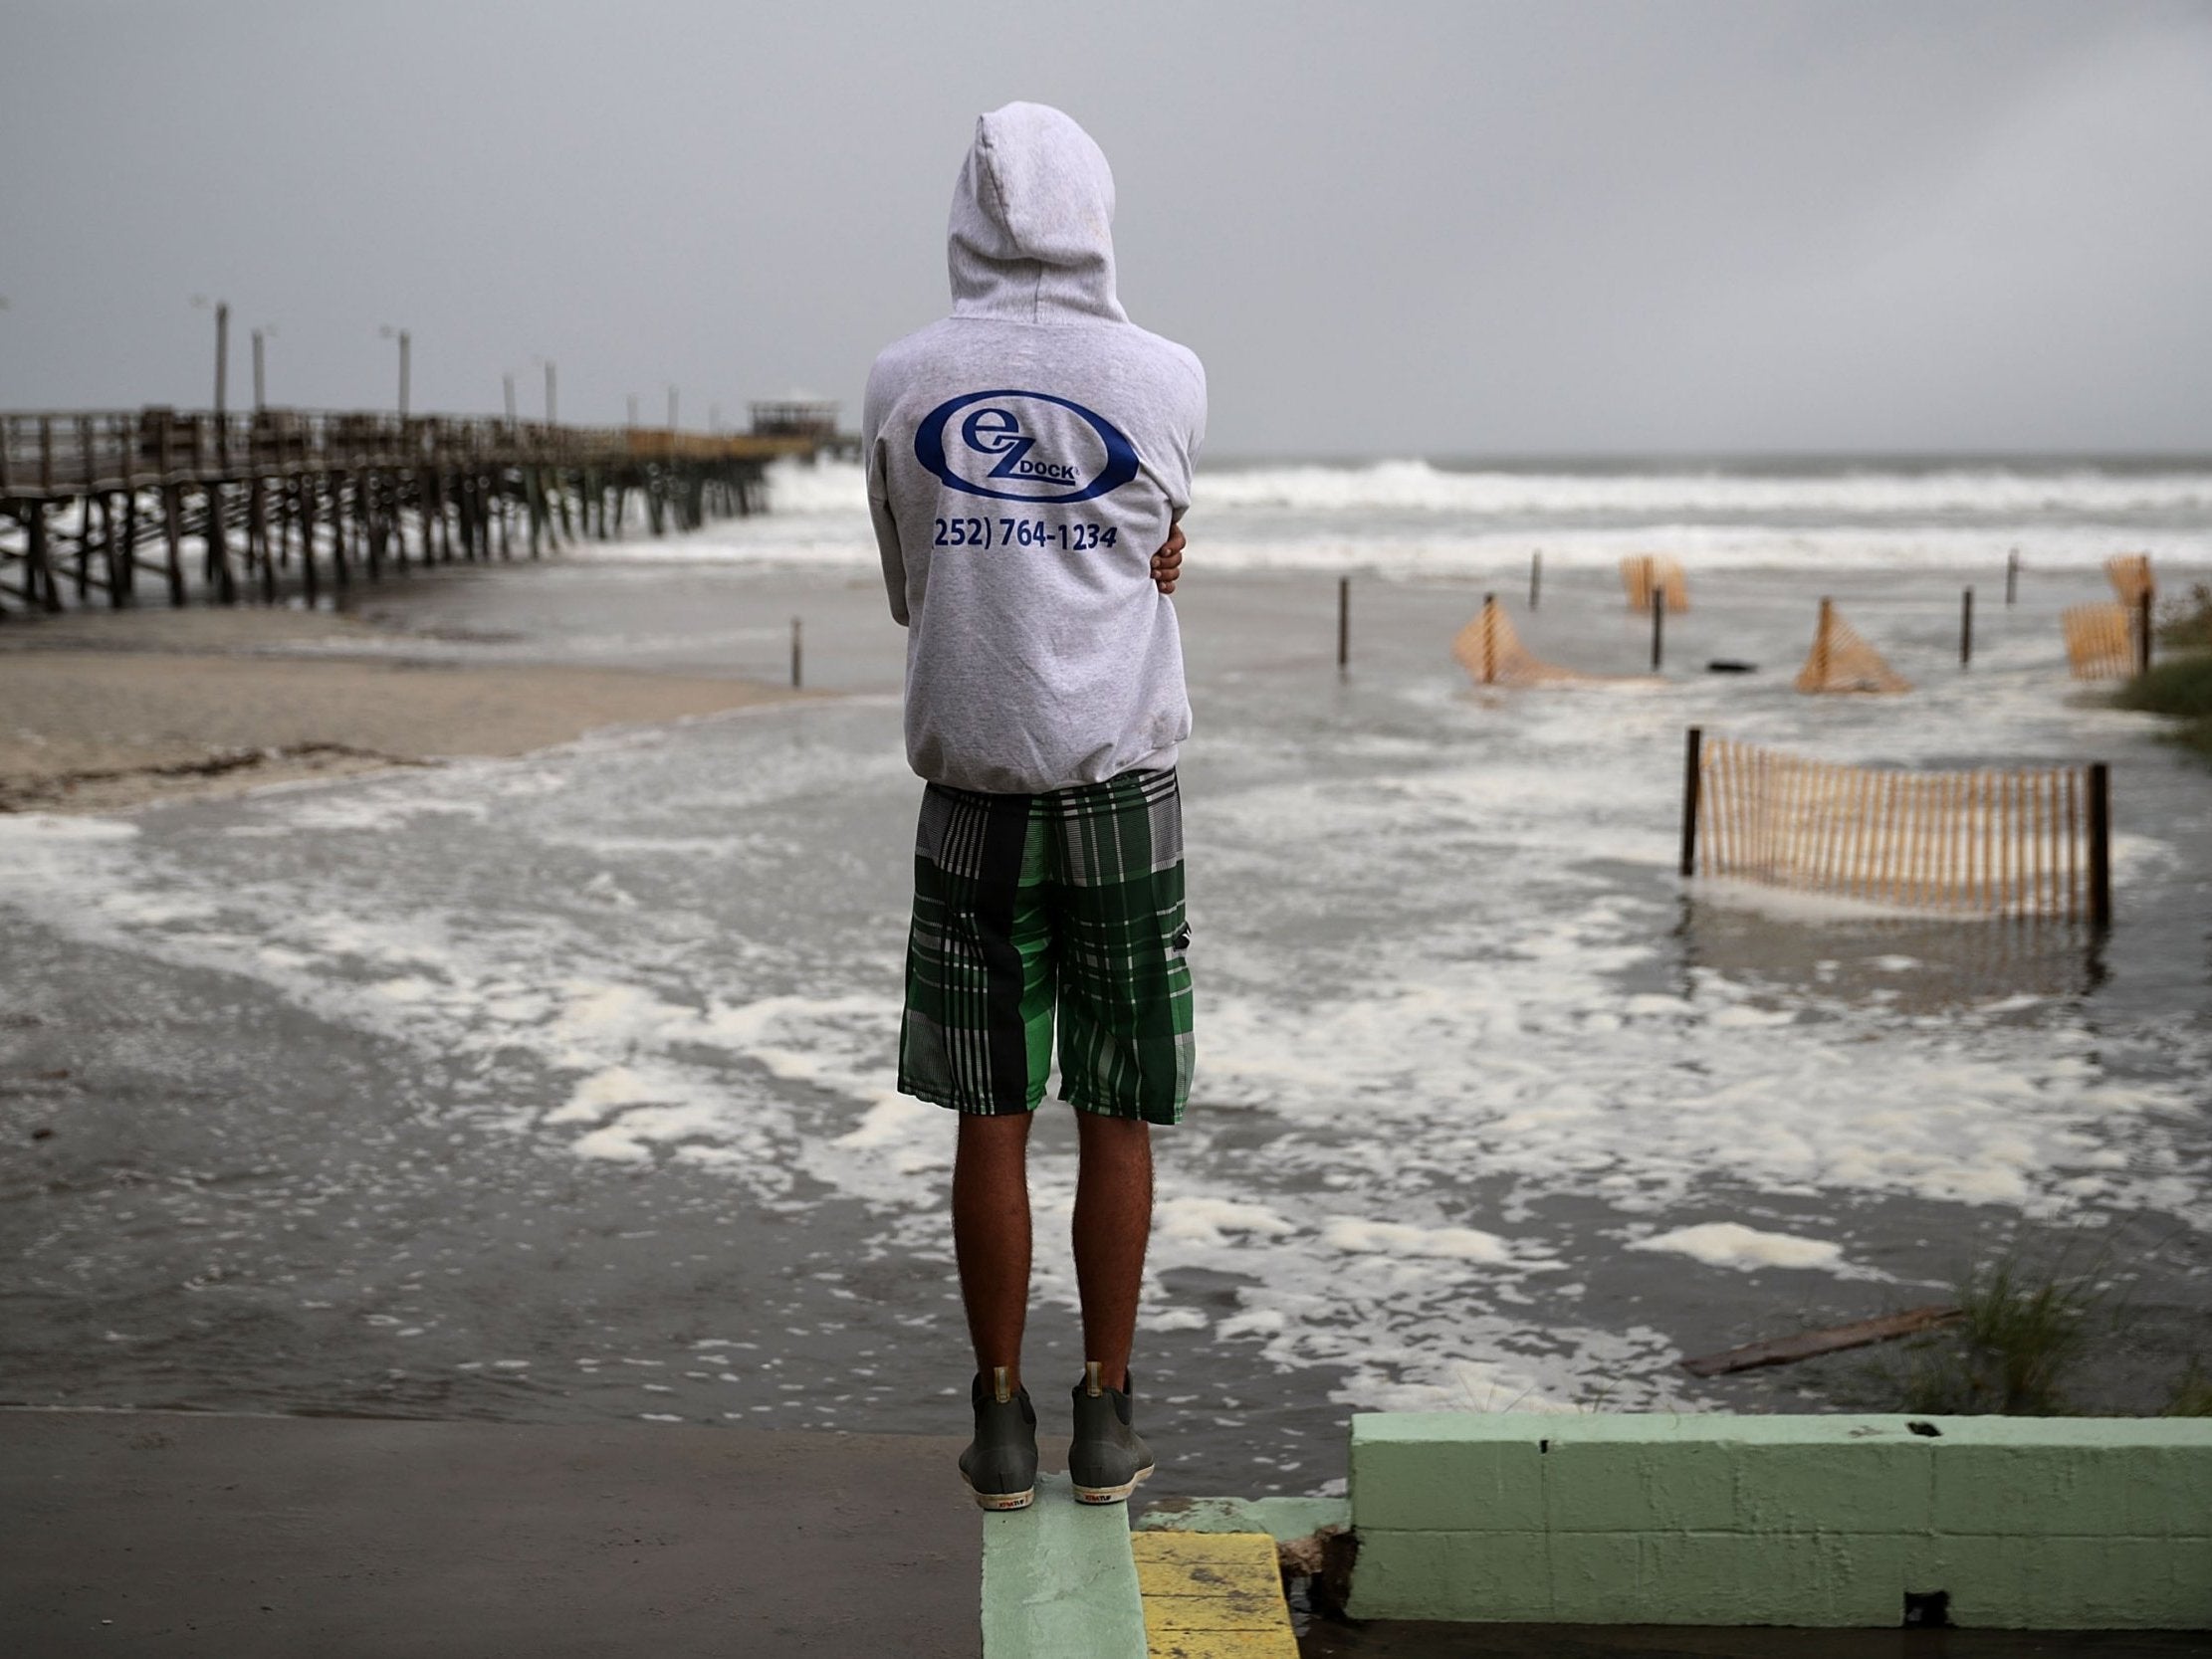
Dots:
(1343, 623)
(2012, 575)
(1966, 628)
(795, 663)
(1535, 578)
(1659, 625)
(2142, 629)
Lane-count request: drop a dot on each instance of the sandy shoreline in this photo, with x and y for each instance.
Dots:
(103, 713)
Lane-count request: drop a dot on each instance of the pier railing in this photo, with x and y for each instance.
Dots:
(62, 454)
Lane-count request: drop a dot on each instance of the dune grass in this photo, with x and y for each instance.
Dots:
(2181, 686)
(2023, 1332)
(2028, 1324)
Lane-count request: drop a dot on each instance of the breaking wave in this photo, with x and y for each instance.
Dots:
(1422, 487)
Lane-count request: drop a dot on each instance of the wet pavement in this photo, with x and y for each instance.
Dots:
(130, 1533)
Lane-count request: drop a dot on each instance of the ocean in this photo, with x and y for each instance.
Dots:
(561, 1087)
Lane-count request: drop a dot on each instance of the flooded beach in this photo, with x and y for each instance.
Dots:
(557, 1087)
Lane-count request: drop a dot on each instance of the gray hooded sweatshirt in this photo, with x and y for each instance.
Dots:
(1026, 456)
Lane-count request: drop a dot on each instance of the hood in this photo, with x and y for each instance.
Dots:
(1031, 234)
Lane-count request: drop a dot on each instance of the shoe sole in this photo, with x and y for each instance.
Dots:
(1113, 1494)
(1002, 1500)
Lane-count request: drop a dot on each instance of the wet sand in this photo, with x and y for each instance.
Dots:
(105, 713)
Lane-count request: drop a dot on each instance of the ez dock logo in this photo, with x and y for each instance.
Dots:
(1025, 447)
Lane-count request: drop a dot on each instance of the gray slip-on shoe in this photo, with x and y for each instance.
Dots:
(1107, 1457)
(1000, 1463)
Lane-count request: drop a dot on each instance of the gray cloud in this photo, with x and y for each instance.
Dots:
(1437, 228)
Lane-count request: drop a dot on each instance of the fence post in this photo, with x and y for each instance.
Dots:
(1489, 639)
(1966, 628)
(2100, 846)
(1535, 578)
(1692, 788)
(1659, 625)
(795, 664)
(1343, 623)
(2142, 630)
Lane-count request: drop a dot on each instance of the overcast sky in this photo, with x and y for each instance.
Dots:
(1435, 229)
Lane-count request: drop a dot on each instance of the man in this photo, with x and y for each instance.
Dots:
(1028, 459)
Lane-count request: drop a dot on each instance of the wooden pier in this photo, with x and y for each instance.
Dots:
(121, 508)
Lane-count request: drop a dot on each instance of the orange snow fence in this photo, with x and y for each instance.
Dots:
(1642, 574)
(1491, 652)
(2100, 641)
(1842, 661)
(2011, 844)
(2129, 574)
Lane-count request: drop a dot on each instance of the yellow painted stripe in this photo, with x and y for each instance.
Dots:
(1255, 1549)
(1213, 1596)
(1202, 1578)
(1246, 1610)
(1225, 1645)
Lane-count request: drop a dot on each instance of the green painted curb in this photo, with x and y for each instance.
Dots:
(2044, 1523)
(1058, 1578)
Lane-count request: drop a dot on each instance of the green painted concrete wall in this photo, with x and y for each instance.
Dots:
(1058, 1578)
(2049, 1523)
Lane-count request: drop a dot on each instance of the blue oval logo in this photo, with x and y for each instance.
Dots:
(1025, 447)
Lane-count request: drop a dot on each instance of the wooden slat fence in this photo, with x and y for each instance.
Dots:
(1642, 574)
(1842, 661)
(2027, 843)
(1491, 652)
(2129, 574)
(2100, 641)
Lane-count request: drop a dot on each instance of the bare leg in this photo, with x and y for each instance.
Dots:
(991, 1236)
(1113, 1220)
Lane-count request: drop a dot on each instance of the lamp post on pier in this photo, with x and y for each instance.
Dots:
(260, 383)
(550, 405)
(222, 346)
(387, 331)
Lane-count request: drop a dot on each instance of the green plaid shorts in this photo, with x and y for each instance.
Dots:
(1023, 902)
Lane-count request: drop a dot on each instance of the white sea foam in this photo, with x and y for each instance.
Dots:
(1731, 1244)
